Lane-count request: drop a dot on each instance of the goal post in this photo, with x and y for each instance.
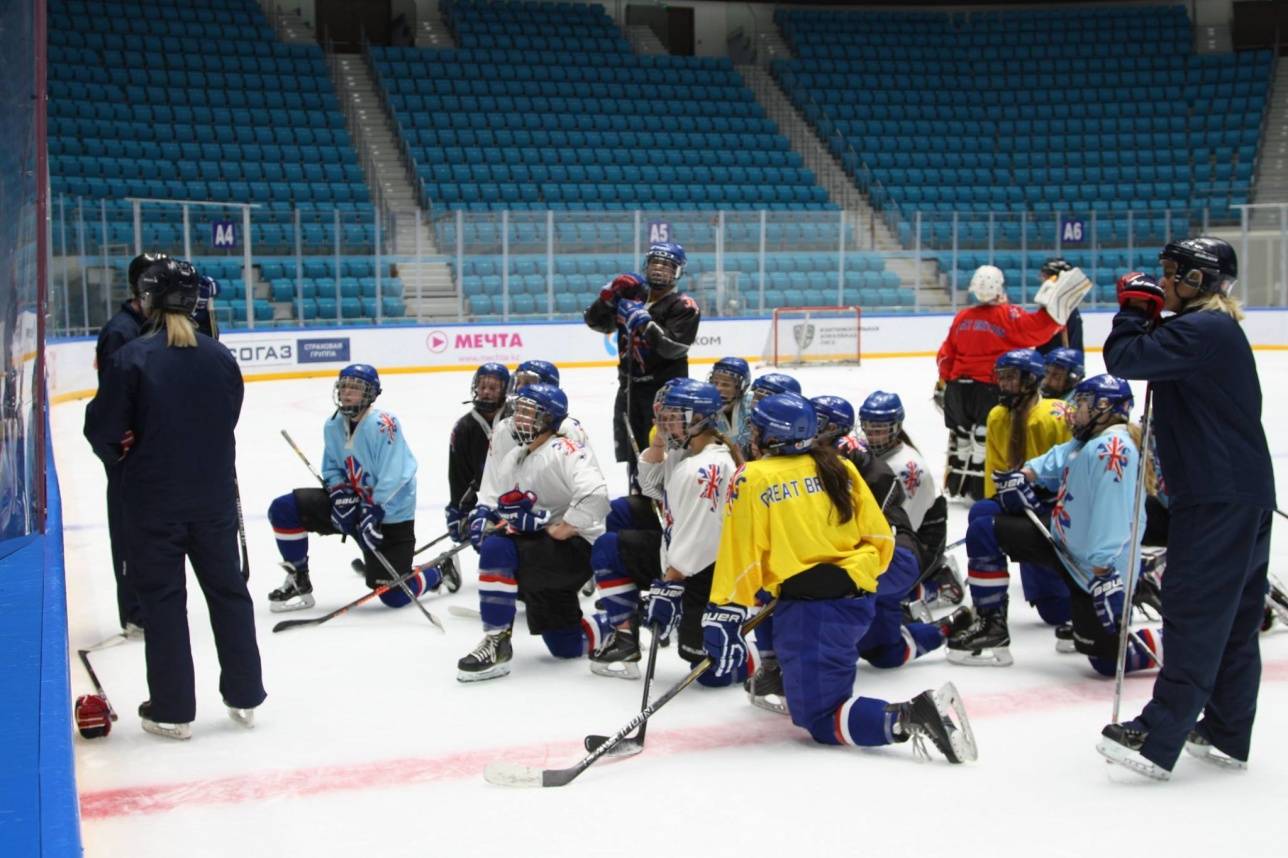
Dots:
(801, 336)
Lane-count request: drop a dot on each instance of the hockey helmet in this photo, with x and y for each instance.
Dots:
(1064, 369)
(1206, 264)
(664, 264)
(1054, 267)
(881, 418)
(783, 424)
(835, 417)
(1024, 366)
(730, 375)
(360, 377)
(493, 397)
(169, 285)
(138, 265)
(773, 382)
(988, 285)
(538, 408)
(1108, 399)
(688, 409)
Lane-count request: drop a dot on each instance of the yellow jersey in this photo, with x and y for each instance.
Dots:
(1046, 428)
(780, 522)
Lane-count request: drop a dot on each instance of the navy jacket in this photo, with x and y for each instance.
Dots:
(182, 405)
(120, 329)
(1207, 404)
(1073, 328)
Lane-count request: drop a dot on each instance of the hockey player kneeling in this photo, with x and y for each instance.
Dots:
(1087, 539)
(685, 468)
(803, 526)
(370, 474)
(534, 538)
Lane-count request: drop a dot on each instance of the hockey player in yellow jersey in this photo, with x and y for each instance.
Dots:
(1019, 373)
(801, 526)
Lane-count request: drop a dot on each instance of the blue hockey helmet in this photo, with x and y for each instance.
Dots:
(881, 417)
(1064, 369)
(1205, 263)
(694, 404)
(530, 372)
(783, 424)
(538, 408)
(501, 375)
(1108, 399)
(1029, 368)
(835, 417)
(773, 382)
(730, 375)
(664, 264)
(361, 377)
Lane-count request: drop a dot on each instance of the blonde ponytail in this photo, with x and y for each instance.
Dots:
(180, 331)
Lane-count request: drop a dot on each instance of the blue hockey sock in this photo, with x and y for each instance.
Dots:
(619, 596)
(394, 597)
(861, 721)
(574, 643)
(498, 587)
(986, 572)
(619, 516)
(292, 538)
(1140, 656)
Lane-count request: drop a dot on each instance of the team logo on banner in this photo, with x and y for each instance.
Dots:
(803, 334)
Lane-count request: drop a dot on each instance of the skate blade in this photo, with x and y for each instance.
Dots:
(996, 657)
(1065, 647)
(769, 702)
(1213, 757)
(512, 775)
(960, 735)
(616, 669)
(920, 612)
(181, 732)
(298, 603)
(1129, 759)
(495, 672)
(242, 717)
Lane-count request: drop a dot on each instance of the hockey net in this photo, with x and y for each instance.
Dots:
(801, 336)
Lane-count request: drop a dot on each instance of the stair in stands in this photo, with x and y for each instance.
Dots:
(431, 32)
(644, 40)
(1271, 182)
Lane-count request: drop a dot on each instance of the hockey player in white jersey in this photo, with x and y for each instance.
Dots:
(881, 419)
(370, 474)
(686, 468)
(538, 512)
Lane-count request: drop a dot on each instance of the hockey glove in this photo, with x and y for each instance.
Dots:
(722, 639)
(516, 508)
(344, 508)
(938, 396)
(1014, 492)
(663, 611)
(632, 315)
(1107, 596)
(628, 286)
(369, 535)
(480, 518)
(207, 288)
(1137, 287)
(457, 525)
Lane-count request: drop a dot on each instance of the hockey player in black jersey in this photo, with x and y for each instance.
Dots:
(655, 325)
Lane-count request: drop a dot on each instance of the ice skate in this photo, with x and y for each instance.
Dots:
(451, 575)
(489, 660)
(160, 728)
(957, 622)
(1197, 746)
(940, 717)
(949, 589)
(986, 643)
(1064, 638)
(242, 717)
(1121, 743)
(620, 654)
(296, 592)
(765, 687)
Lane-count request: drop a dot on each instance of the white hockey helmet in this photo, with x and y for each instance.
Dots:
(987, 284)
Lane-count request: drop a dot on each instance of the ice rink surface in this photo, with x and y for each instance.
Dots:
(368, 746)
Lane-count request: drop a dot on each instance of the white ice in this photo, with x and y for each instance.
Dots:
(367, 744)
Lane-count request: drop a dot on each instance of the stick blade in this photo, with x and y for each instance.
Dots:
(291, 624)
(624, 748)
(513, 775)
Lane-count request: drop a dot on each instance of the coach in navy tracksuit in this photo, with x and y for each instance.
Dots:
(166, 411)
(1211, 446)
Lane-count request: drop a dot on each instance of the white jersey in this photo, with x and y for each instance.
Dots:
(563, 476)
(691, 487)
(503, 441)
(918, 484)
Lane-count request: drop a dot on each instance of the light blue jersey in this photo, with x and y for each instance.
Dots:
(1096, 482)
(375, 460)
(739, 421)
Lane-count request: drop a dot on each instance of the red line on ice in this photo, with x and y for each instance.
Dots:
(384, 774)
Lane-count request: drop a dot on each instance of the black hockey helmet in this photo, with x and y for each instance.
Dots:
(1054, 267)
(1205, 263)
(170, 285)
(139, 264)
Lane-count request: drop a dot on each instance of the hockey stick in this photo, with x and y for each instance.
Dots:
(632, 745)
(366, 597)
(517, 775)
(241, 530)
(1070, 563)
(1133, 561)
(402, 582)
(98, 686)
(432, 543)
(303, 458)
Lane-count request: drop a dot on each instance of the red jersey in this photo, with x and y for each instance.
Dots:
(981, 334)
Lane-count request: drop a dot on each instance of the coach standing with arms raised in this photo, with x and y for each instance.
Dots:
(166, 411)
(1213, 453)
(655, 326)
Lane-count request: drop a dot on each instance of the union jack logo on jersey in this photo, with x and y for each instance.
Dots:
(911, 476)
(355, 474)
(709, 485)
(735, 481)
(1114, 455)
(1060, 518)
(388, 426)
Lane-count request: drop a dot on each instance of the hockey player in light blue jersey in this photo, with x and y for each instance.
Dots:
(1088, 536)
(732, 377)
(369, 474)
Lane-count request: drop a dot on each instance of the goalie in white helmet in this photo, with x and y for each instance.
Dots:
(978, 336)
